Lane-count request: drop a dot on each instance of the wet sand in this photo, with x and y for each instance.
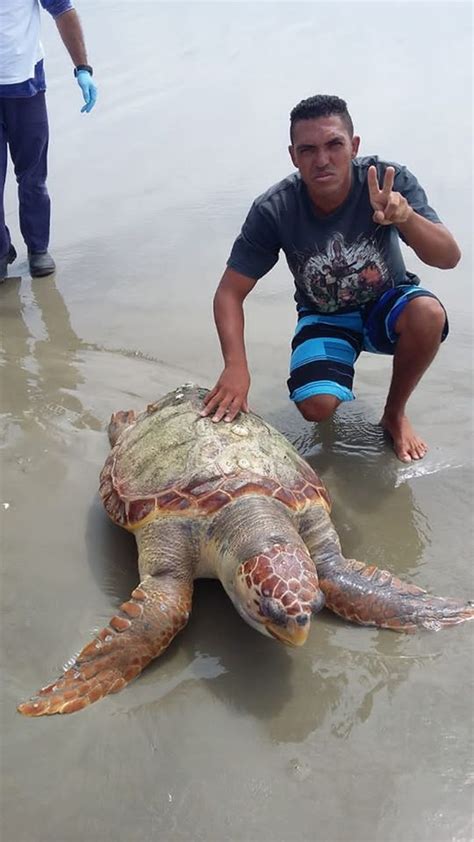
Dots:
(364, 735)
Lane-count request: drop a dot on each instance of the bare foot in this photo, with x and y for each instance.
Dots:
(406, 444)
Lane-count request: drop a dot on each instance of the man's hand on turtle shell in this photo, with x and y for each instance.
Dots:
(389, 208)
(229, 395)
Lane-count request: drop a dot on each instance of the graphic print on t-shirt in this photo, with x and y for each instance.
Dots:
(343, 276)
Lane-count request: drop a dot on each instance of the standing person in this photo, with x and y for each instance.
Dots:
(24, 120)
(338, 220)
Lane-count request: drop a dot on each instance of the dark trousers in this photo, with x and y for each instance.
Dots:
(24, 130)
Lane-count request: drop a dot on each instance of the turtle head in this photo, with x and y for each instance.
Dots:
(277, 592)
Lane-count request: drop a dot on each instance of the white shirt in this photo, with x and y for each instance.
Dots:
(20, 43)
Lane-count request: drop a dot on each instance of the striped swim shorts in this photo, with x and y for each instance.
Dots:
(325, 347)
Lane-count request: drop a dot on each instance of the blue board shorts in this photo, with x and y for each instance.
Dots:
(326, 346)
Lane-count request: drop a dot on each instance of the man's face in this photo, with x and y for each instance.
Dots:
(322, 150)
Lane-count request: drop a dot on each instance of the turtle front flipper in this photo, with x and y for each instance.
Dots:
(372, 597)
(145, 625)
(367, 595)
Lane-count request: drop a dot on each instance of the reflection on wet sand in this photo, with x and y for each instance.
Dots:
(328, 686)
(41, 361)
(293, 693)
(370, 505)
(111, 554)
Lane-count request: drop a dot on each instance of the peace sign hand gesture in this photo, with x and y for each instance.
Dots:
(389, 208)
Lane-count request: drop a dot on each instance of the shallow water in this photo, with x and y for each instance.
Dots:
(364, 735)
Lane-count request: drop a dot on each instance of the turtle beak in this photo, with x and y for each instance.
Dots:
(293, 634)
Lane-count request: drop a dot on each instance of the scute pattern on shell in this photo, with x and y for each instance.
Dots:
(205, 498)
(199, 467)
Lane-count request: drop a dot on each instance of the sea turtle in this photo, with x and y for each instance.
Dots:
(236, 502)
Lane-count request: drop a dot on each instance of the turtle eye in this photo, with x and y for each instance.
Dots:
(274, 611)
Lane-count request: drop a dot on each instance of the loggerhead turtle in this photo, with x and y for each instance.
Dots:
(236, 502)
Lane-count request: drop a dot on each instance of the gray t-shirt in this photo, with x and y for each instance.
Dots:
(340, 262)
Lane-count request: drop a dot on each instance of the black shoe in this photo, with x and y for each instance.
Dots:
(4, 261)
(41, 264)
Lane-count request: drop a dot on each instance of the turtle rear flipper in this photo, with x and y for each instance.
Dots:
(158, 609)
(367, 595)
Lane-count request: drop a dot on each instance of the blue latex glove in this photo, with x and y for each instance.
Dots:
(88, 88)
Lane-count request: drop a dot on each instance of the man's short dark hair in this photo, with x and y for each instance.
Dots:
(321, 105)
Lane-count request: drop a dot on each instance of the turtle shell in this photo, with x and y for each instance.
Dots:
(174, 461)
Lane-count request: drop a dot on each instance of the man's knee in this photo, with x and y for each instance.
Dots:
(318, 408)
(422, 315)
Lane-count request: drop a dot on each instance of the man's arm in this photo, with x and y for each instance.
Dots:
(70, 30)
(229, 395)
(253, 254)
(431, 241)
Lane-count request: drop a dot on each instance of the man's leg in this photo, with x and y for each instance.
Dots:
(319, 407)
(7, 252)
(324, 350)
(419, 328)
(410, 323)
(28, 140)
